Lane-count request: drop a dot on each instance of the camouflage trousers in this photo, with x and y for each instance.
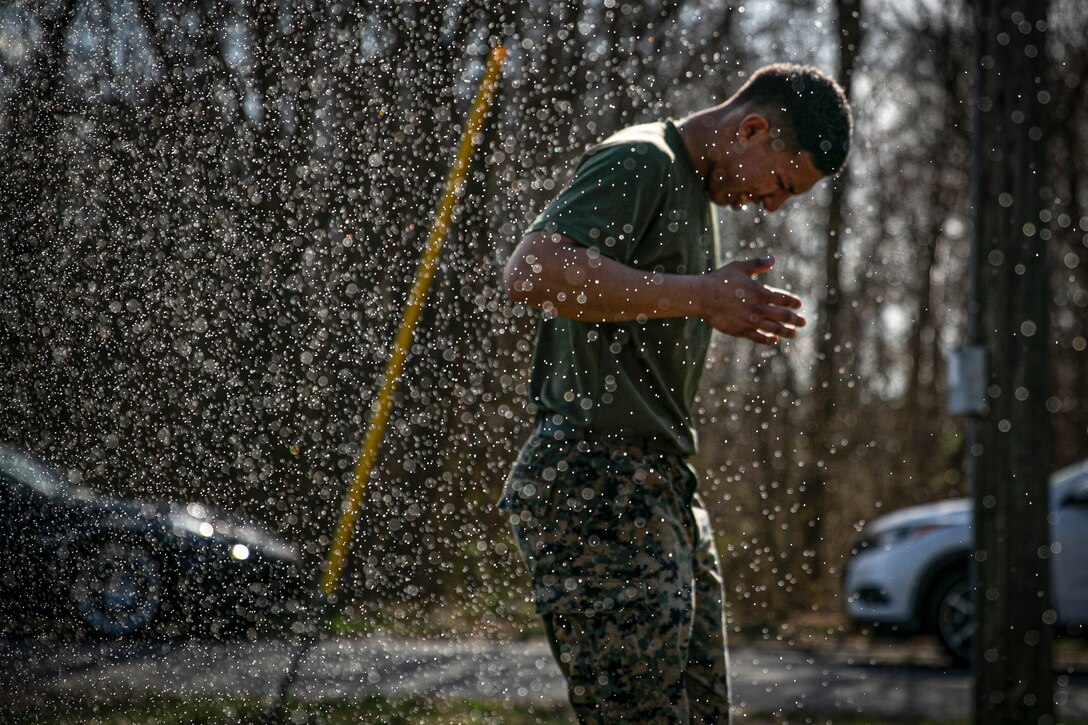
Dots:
(625, 577)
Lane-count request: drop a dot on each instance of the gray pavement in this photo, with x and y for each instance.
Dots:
(767, 679)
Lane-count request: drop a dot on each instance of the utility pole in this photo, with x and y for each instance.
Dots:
(1010, 442)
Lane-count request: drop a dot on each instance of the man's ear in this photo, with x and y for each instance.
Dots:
(753, 127)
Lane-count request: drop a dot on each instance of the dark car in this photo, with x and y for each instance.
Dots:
(121, 565)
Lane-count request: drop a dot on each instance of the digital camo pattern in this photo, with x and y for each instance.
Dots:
(625, 576)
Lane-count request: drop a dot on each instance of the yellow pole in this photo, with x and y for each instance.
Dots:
(470, 139)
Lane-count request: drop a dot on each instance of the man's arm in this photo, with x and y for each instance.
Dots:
(556, 274)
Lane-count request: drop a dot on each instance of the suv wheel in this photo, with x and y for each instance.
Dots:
(953, 616)
(117, 588)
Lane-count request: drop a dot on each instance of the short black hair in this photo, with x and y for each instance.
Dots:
(814, 106)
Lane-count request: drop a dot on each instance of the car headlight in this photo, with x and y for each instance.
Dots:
(892, 537)
(262, 543)
(194, 526)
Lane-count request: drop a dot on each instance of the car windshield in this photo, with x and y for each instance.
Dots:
(36, 477)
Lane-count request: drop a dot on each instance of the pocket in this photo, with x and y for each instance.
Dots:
(592, 554)
(530, 486)
(536, 482)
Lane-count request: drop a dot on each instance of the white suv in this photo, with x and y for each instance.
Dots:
(909, 570)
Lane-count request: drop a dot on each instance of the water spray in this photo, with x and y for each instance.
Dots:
(308, 631)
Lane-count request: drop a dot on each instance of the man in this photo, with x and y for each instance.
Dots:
(624, 264)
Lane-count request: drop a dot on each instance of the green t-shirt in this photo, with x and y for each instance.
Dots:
(636, 198)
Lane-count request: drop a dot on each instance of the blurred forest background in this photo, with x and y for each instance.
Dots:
(211, 211)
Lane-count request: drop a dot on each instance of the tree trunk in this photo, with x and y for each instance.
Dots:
(1013, 647)
(823, 425)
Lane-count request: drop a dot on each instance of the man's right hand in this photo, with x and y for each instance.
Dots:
(733, 302)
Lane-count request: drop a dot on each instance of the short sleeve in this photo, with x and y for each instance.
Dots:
(613, 197)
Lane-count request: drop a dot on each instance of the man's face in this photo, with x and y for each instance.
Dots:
(761, 170)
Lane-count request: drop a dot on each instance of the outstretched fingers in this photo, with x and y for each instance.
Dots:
(782, 315)
(774, 322)
(760, 337)
(782, 298)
